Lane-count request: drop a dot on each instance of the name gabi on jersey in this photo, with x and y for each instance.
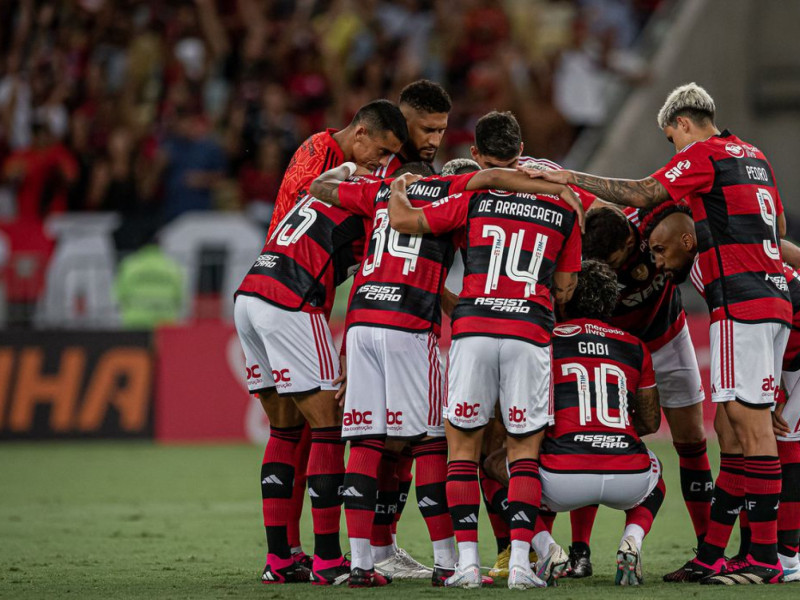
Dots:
(520, 209)
(600, 440)
(267, 261)
(511, 305)
(385, 293)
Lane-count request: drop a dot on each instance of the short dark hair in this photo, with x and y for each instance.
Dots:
(607, 229)
(497, 134)
(382, 115)
(596, 293)
(417, 167)
(652, 218)
(426, 96)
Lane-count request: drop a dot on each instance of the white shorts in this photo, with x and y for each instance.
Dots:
(395, 384)
(746, 361)
(562, 492)
(677, 373)
(484, 369)
(288, 350)
(791, 411)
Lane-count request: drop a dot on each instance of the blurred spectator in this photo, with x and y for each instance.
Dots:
(193, 162)
(42, 173)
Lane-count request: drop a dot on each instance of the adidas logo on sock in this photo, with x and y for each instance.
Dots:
(470, 518)
(352, 492)
(271, 479)
(425, 502)
(521, 516)
(312, 493)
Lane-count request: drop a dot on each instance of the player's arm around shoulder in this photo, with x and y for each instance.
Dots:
(326, 186)
(646, 411)
(403, 217)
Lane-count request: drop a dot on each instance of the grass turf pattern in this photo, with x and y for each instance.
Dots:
(136, 520)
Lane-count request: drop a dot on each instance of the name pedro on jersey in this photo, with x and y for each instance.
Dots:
(521, 209)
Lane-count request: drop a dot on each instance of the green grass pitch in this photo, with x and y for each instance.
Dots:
(135, 520)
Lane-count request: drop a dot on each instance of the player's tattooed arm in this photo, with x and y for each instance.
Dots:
(326, 186)
(639, 193)
(403, 217)
(646, 416)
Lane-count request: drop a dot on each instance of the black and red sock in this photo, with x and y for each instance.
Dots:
(582, 522)
(524, 498)
(762, 495)
(495, 499)
(404, 473)
(299, 491)
(697, 484)
(360, 488)
(431, 458)
(277, 484)
(728, 501)
(388, 494)
(325, 479)
(464, 498)
(789, 509)
(644, 513)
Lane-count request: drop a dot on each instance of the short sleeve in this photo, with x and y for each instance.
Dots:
(448, 213)
(696, 277)
(458, 183)
(359, 197)
(569, 259)
(648, 377)
(688, 172)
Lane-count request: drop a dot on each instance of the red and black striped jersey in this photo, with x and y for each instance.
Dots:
(649, 305)
(312, 250)
(395, 162)
(514, 243)
(597, 370)
(529, 162)
(401, 277)
(791, 356)
(316, 155)
(731, 189)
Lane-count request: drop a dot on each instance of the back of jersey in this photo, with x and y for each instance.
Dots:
(514, 245)
(597, 370)
(307, 255)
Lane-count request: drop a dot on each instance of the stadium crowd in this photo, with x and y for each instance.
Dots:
(155, 108)
(569, 341)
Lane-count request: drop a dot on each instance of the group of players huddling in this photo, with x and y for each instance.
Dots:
(569, 340)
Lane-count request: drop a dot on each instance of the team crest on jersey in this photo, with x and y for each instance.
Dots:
(734, 150)
(640, 273)
(567, 330)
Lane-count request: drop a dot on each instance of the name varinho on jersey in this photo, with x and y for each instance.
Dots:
(520, 209)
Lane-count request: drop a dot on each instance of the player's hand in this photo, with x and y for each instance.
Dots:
(779, 424)
(563, 177)
(401, 183)
(341, 380)
(449, 301)
(570, 197)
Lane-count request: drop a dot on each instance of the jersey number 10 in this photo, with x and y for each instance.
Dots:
(601, 374)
